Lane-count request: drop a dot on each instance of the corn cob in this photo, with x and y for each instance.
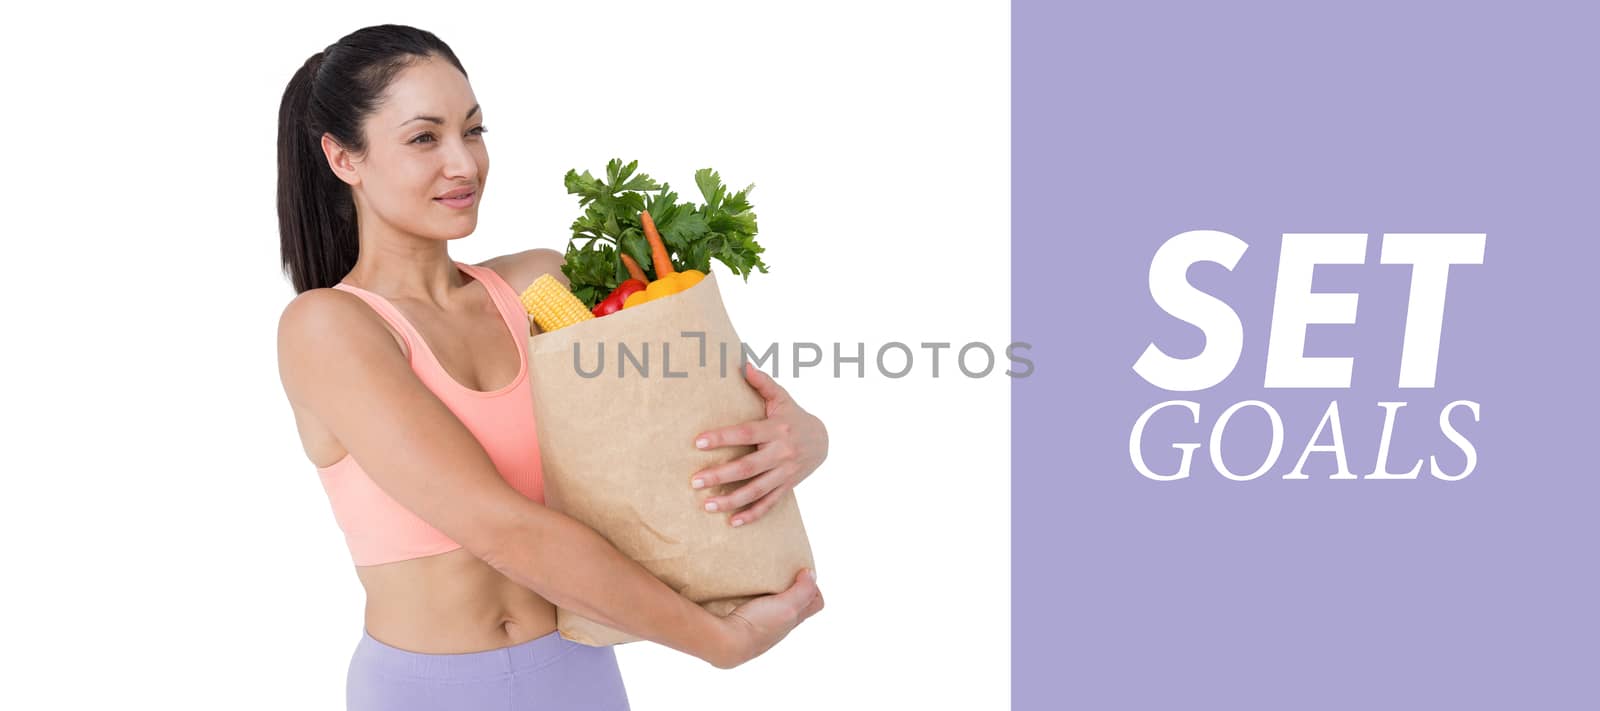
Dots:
(552, 305)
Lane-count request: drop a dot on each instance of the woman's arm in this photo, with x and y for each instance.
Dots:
(338, 361)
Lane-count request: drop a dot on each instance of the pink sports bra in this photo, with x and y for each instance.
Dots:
(379, 529)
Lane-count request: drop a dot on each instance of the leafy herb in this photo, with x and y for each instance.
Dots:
(721, 228)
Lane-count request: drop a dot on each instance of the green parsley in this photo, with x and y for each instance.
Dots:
(721, 228)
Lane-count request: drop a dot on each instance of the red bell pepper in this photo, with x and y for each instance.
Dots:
(613, 301)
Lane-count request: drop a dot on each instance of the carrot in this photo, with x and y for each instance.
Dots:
(633, 269)
(658, 251)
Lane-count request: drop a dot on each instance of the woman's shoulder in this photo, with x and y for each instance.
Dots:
(521, 268)
(317, 314)
(320, 320)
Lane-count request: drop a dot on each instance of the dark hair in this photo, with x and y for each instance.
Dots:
(334, 92)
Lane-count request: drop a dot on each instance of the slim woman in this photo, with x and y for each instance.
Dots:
(407, 374)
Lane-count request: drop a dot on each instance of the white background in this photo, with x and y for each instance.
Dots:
(170, 542)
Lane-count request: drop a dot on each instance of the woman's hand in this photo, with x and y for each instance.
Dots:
(790, 444)
(754, 627)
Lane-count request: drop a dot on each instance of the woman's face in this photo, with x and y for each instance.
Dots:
(424, 141)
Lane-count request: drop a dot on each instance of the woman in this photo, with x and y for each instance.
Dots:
(411, 400)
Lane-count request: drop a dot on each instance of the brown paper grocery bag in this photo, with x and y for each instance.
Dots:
(616, 424)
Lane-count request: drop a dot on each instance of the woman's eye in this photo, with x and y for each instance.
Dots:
(479, 130)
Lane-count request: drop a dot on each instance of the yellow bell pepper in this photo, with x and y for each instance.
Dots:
(665, 286)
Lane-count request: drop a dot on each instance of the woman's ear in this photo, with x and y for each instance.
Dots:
(339, 160)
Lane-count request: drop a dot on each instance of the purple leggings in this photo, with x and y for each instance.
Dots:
(550, 672)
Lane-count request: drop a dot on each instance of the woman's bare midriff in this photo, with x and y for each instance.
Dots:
(451, 603)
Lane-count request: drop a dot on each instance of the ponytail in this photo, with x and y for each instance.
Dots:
(315, 226)
(333, 93)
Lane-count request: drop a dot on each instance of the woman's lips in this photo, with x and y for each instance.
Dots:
(460, 202)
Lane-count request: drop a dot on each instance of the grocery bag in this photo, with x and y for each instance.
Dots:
(618, 401)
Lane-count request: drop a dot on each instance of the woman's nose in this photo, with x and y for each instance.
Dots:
(460, 162)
